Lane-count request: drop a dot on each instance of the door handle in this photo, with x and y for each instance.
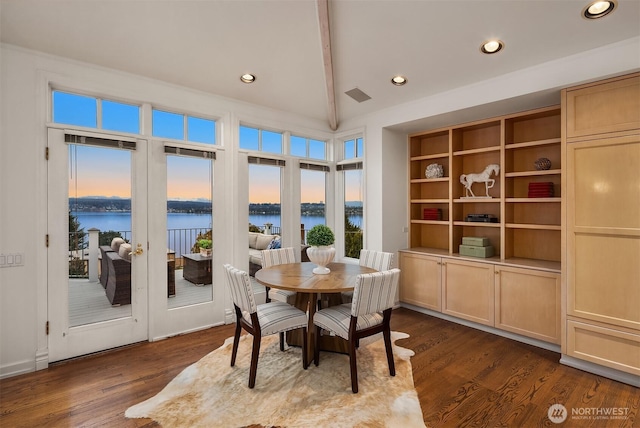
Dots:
(138, 251)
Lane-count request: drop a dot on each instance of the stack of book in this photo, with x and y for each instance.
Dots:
(432, 214)
(481, 218)
(541, 190)
(476, 247)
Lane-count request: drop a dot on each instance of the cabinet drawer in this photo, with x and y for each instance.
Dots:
(608, 347)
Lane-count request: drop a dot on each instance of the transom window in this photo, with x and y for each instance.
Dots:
(353, 148)
(308, 148)
(183, 127)
(93, 112)
(260, 140)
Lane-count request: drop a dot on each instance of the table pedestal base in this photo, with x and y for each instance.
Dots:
(308, 302)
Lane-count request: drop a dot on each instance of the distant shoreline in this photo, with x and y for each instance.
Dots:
(115, 205)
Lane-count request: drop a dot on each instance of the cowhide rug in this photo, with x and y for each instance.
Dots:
(211, 393)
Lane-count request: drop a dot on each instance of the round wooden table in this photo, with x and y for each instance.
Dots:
(299, 277)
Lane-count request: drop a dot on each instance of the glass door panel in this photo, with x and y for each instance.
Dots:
(100, 234)
(97, 252)
(189, 230)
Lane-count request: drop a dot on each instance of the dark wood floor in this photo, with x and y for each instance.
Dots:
(464, 377)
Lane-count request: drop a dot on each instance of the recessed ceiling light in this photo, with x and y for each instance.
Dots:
(248, 78)
(491, 46)
(598, 9)
(398, 80)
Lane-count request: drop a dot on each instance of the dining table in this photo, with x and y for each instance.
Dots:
(311, 288)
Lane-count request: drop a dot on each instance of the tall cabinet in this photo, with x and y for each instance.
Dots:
(518, 288)
(602, 149)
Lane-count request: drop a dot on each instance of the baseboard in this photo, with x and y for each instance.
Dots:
(22, 367)
(192, 330)
(507, 334)
(599, 370)
(42, 359)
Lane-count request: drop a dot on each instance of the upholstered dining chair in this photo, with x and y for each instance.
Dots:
(260, 320)
(378, 260)
(279, 256)
(369, 313)
(275, 257)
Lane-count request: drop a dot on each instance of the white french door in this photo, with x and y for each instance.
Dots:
(87, 314)
(183, 181)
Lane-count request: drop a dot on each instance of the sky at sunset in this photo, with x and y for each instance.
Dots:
(105, 172)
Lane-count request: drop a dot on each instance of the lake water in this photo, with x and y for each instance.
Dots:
(181, 242)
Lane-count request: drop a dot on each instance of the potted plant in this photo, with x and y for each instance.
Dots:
(320, 238)
(205, 246)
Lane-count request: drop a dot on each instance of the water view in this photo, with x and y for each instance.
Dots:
(182, 242)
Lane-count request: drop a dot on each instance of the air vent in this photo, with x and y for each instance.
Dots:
(358, 95)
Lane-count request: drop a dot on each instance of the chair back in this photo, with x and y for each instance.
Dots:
(240, 288)
(377, 260)
(279, 256)
(375, 292)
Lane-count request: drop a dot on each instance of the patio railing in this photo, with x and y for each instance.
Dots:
(179, 242)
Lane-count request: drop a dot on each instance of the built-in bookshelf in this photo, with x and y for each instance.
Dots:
(528, 231)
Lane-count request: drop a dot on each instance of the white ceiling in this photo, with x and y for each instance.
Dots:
(207, 44)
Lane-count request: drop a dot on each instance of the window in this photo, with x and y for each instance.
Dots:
(92, 112)
(260, 140)
(308, 148)
(183, 127)
(353, 203)
(353, 148)
(265, 186)
(313, 179)
(189, 220)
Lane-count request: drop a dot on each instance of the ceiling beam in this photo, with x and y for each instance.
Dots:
(325, 40)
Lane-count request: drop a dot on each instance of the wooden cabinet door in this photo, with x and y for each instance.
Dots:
(606, 107)
(420, 280)
(603, 231)
(527, 302)
(468, 290)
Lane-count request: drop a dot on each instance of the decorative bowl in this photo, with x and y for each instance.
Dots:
(542, 164)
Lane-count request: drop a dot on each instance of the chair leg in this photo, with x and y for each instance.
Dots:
(236, 340)
(316, 349)
(305, 361)
(255, 352)
(353, 365)
(387, 344)
(282, 340)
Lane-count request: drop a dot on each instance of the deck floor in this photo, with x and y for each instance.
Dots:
(88, 301)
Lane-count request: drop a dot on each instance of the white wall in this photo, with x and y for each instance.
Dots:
(386, 130)
(24, 77)
(23, 103)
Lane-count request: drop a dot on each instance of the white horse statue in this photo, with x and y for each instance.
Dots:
(484, 177)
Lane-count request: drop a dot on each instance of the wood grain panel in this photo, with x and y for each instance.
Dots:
(604, 107)
(528, 303)
(420, 282)
(468, 290)
(608, 347)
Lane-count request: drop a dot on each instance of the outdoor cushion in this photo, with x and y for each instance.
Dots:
(115, 244)
(263, 241)
(124, 251)
(253, 236)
